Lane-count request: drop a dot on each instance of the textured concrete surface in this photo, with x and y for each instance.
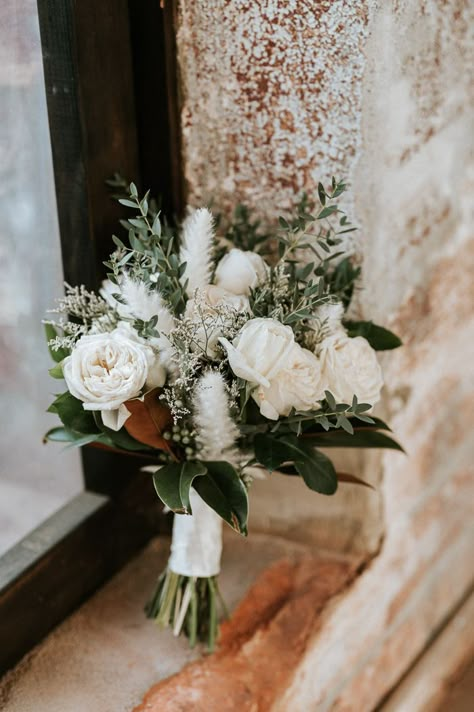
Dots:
(442, 679)
(260, 644)
(106, 655)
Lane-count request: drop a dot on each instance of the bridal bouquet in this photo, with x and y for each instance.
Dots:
(223, 358)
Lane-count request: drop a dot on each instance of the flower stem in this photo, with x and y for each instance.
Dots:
(189, 605)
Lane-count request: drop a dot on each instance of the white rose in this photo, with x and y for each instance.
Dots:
(299, 385)
(240, 271)
(104, 371)
(350, 367)
(154, 350)
(205, 311)
(265, 353)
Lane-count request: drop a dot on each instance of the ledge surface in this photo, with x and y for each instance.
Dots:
(107, 654)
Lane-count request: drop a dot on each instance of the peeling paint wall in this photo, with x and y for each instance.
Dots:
(272, 96)
(277, 95)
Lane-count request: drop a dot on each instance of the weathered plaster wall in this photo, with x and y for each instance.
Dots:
(277, 95)
(272, 96)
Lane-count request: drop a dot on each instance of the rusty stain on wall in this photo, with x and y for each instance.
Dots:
(271, 97)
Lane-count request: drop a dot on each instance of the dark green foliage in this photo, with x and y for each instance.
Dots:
(218, 484)
(379, 338)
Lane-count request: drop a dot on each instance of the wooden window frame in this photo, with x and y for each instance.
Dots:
(110, 77)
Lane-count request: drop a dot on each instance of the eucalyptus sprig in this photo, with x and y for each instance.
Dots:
(153, 254)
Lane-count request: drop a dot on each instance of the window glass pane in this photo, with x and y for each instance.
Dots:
(35, 479)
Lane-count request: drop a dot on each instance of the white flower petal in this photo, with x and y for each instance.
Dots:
(115, 419)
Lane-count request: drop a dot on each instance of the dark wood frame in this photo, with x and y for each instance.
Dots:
(98, 65)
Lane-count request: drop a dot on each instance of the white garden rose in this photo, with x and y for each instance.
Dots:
(105, 370)
(260, 350)
(350, 367)
(285, 375)
(299, 385)
(207, 311)
(154, 347)
(240, 271)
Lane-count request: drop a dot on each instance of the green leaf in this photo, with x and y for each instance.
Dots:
(189, 471)
(60, 435)
(59, 354)
(326, 212)
(315, 468)
(352, 479)
(156, 227)
(64, 435)
(120, 438)
(166, 481)
(321, 194)
(56, 371)
(364, 438)
(225, 493)
(88, 439)
(379, 338)
(270, 452)
(73, 415)
(127, 203)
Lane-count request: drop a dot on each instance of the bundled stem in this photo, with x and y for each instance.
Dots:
(187, 604)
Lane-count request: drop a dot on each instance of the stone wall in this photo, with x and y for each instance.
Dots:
(277, 95)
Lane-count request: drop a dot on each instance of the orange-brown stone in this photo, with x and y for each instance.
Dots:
(260, 645)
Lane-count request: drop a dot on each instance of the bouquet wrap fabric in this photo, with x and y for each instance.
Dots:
(196, 545)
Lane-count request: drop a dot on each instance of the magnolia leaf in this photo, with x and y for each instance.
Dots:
(379, 338)
(189, 471)
(347, 477)
(270, 452)
(120, 438)
(88, 440)
(63, 435)
(364, 437)
(59, 435)
(166, 481)
(149, 419)
(72, 414)
(223, 490)
(315, 468)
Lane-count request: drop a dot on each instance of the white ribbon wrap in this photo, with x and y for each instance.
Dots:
(196, 545)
